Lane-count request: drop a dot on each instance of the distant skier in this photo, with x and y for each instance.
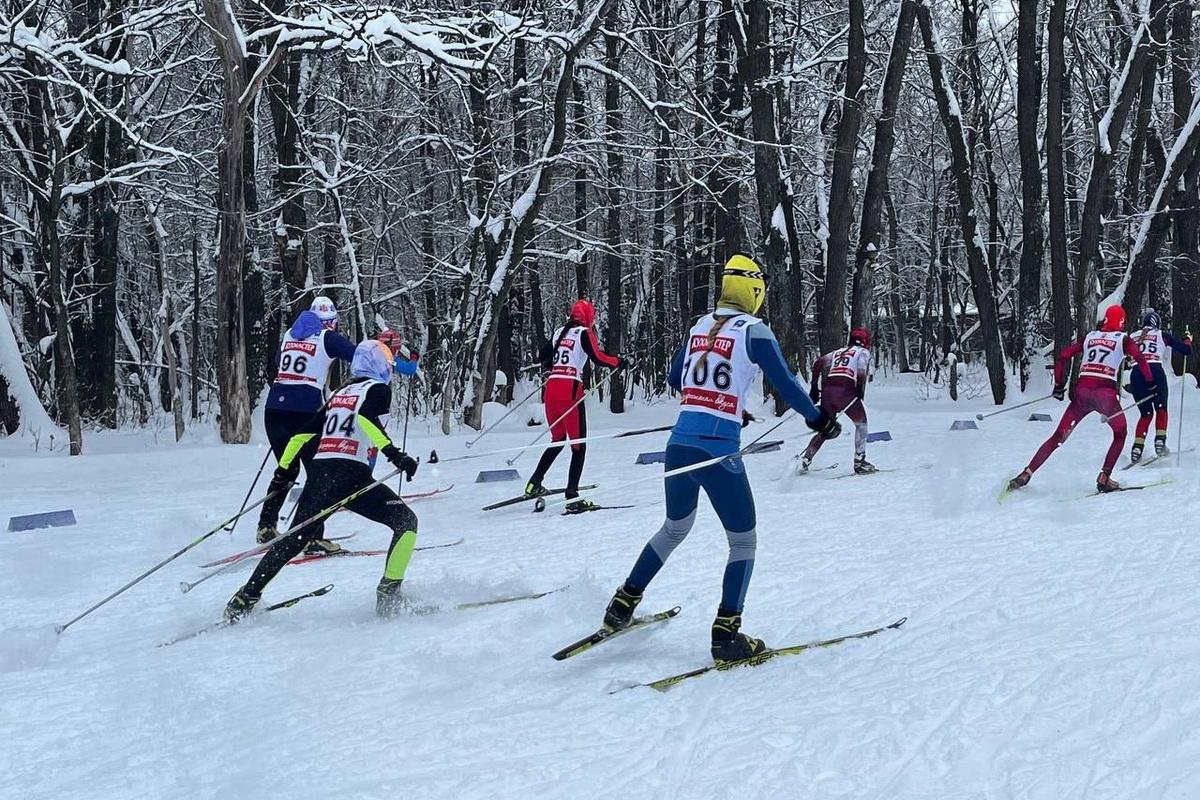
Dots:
(294, 403)
(845, 383)
(1153, 342)
(715, 369)
(567, 354)
(1103, 351)
(352, 433)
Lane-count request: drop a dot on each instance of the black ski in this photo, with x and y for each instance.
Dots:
(664, 684)
(512, 501)
(569, 513)
(604, 634)
(275, 607)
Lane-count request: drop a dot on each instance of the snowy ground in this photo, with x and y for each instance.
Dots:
(1052, 648)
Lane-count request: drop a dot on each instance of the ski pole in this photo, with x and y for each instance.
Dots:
(412, 394)
(749, 449)
(1013, 408)
(1179, 431)
(561, 442)
(164, 562)
(249, 492)
(550, 427)
(1134, 404)
(489, 428)
(315, 517)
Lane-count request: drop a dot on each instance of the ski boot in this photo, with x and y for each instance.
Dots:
(266, 534)
(241, 604)
(534, 489)
(1160, 445)
(862, 466)
(728, 642)
(1135, 452)
(1021, 480)
(388, 600)
(620, 609)
(1105, 483)
(580, 506)
(323, 547)
(805, 463)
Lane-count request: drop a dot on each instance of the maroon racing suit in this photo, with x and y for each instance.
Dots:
(840, 394)
(1092, 393)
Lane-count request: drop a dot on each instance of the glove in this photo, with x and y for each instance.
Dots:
(282, 476)
(401, 461)
(747, 418)
(622, 363)
(1060, 391)
(815, 393)
(860, 392)
(826, 425)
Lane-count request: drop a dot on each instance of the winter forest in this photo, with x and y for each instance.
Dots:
(970, 180)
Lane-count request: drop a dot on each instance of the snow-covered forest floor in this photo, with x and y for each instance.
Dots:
(1051, 649)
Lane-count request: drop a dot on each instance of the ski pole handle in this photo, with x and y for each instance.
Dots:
(1013, 408)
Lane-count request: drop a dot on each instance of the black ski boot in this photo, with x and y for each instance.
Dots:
(1160, 445)
(580, 507)
(1020, 480)
(620, 609)
(389, 602)
(266, 534)
(1135, 452)
(862, 466)
(534, 488)
(323, 547)
(728, 642)
(241, 604)
(1105, 483)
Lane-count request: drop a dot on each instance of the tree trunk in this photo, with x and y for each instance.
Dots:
(881, 157)
(1029, 100)
(981, 286)
(1060, 287)
(831, 331)
(615, 323)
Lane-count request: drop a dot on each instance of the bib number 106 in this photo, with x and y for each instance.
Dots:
(721, 374)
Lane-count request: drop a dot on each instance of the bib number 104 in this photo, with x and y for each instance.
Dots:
(335, 424)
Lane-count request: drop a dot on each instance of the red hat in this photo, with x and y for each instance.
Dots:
(860, 336)
(584, 313)
(1114, 319)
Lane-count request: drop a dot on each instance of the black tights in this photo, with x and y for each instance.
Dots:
(574, 473)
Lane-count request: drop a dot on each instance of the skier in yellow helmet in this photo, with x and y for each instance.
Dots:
(715, 370)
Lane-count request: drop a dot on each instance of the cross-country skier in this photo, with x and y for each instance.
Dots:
(294, 403)
(845, 383)
(568, 353)
(1103, 351)
(352, 433)
(715, 370)
(1153, 341)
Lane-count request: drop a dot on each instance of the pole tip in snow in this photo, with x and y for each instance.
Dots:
(979, 417)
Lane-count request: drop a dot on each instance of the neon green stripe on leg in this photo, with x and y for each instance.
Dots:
(399, 555)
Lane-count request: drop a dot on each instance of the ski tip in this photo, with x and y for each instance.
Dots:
(898, 623)
(673, 612)
(326, 589)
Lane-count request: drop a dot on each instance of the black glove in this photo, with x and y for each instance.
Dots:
(747, 418)
(860, 392)
(1060, 391)
(826, 425)
(401, 461)
(815, 393)
(282, 476)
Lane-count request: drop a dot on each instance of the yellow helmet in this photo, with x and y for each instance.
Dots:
(742, 285)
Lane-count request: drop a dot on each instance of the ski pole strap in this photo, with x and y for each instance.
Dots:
(169, 559)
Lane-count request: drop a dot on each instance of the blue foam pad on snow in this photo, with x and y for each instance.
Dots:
(1040, 418)
(879, 436)
(46, 519)
(964, 425)
(654, 457)
(495, 475)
